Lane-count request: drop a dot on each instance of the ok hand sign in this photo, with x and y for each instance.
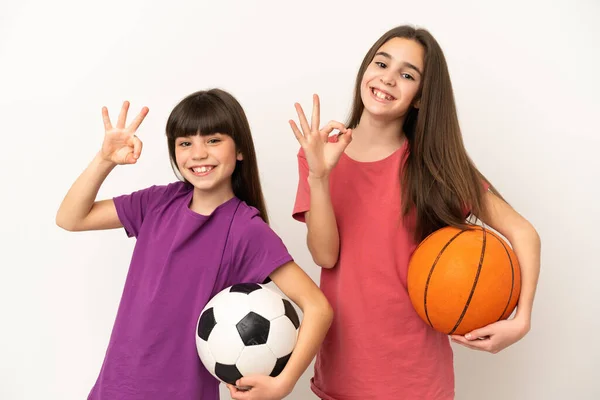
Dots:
(121, 145)
(321, 153)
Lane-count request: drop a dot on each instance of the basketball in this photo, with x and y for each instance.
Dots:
(463, 279)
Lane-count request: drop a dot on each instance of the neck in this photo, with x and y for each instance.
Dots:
(374, 132)
(205, 202)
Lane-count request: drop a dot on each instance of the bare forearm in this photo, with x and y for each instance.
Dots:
(315, 324)
(527, 247)
(80, 198)
(323, 237)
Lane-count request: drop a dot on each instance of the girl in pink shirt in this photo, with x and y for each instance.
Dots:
(396, 172)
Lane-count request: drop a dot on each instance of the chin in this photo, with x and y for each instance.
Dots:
(205, 186)
(381, 114)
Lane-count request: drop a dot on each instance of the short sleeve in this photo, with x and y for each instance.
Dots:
(132, 208)
(302, 203)
(258, 252)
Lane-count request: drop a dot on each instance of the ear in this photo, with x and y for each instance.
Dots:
(239, 156)
(417, 104)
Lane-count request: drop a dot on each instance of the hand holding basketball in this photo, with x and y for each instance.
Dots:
(494, 337)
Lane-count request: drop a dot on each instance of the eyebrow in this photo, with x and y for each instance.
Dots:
(191, 135)
(405, 63)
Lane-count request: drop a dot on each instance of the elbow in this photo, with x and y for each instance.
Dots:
(317, 308)
(66, 227)
(325, 258)
(60, 222)
(326, 311)
(536, 237)
(525, 233)
(327, 262)
(64, 223)
(533, 235)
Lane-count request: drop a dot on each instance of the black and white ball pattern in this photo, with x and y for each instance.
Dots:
(246, 329)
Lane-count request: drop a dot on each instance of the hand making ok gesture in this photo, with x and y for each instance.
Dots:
(121, 145)
(322, 152)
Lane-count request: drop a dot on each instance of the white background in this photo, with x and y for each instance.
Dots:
(526, 82)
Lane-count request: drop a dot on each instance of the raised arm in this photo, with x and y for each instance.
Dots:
(79, 210)
(322, 154)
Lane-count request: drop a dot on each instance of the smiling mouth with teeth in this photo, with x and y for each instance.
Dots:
(381, 95)
(202, 170)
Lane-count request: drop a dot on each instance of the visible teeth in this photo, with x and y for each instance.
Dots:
(381, 95)
(201, 170)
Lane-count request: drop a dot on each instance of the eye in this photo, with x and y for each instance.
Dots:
(380, 64)
(184, 144)
(213, 141)
(407, 76)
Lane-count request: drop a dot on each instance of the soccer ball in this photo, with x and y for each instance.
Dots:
(246, 329)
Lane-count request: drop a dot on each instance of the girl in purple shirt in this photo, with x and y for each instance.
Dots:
(194, 238)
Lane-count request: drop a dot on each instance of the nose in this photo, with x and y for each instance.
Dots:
(199, 151)
(387, 80)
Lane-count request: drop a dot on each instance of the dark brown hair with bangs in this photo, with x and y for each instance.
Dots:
(216, 111)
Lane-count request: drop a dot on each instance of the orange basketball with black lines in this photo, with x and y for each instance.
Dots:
(463, 279)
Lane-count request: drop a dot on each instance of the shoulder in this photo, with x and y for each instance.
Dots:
(249, 227)
(175, 188)
(248, 220)
(162, 195)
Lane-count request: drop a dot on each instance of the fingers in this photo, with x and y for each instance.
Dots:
(302, 118)
(106, 119)
(133, 156)
(237, 394)
(327, 129)
(479, 333)
(331, 125)
(135, 124)
(345, 137)
(297, 132)
(123, 115)
(316, 113)
(232, 391)
(246, 382)
(137, 147)
(481, 345)
(465, 344)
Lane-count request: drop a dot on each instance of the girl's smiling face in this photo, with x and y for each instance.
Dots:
(392, 79)
(207, 162)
